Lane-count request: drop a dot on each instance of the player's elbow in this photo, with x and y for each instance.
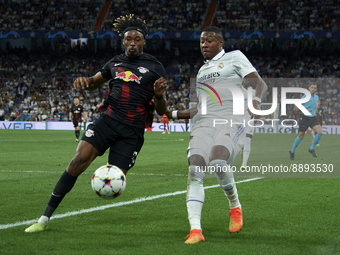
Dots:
(264, 87)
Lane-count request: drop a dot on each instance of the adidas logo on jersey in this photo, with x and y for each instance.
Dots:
(209, 76)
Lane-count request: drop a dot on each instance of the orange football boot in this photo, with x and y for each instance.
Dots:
(195, 236)
(236, 220)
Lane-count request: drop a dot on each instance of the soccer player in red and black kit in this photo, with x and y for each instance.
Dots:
(166, 124)
(135, 79)
(76, 115)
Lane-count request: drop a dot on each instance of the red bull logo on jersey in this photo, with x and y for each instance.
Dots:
(128, 76)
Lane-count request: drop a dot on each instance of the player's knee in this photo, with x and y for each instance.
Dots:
(219, 152)
(196, 175)
(301, 136)
(319, 133)
(196, 160)
(224, 174)
(80, 161)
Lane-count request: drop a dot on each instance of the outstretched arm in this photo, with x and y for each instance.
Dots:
(255, 80)
(90, 83)
(159, 89)
(182, 114)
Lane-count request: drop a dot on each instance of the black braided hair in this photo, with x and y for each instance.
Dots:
(123, 22)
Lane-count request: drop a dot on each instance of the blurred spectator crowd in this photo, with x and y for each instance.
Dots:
(48, 15)
(33, 87)
(278, 14)
(161, 15)
(17, 75)
(171, 16)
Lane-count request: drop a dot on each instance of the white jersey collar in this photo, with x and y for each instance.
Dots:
(217, 57)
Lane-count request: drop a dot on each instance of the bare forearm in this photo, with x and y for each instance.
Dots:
(257, 83)
(187, 114)
(160, 86)
(160, 105)
(261, 88)
(95, 82)
(90, 83)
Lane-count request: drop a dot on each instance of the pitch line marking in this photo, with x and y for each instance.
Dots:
(103, 207)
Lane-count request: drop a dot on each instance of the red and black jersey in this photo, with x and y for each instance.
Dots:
(77, 112)
(131, 87)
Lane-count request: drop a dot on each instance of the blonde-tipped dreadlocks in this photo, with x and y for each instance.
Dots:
(129, 22)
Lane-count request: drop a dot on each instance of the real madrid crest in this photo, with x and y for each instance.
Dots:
(220, 66)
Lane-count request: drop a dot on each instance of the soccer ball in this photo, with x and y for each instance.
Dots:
(108, 181)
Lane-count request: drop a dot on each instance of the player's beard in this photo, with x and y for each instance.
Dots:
(133, 54)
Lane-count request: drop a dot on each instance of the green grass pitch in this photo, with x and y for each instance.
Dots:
(281, 215)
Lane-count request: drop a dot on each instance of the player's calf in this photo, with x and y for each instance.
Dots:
(85, 154)
(195, 196)
(226, 180)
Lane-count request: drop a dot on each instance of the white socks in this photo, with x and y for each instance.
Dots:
(246, 150)
(312, 133)
(232, 196)
(195, 192)
(195, 197)
(44, 219)
(226, 180)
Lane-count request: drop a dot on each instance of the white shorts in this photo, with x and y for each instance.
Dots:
(203, 138)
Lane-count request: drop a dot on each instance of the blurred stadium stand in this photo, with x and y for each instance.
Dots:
(39, 61)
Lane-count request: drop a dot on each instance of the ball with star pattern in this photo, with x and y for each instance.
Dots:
(108, 181)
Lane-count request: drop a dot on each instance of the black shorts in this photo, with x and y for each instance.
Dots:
(76, 124)
(306, 122)
(124, 141)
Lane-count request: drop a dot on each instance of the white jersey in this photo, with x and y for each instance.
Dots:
(217, 80)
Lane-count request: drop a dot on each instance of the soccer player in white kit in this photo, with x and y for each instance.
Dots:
(216, 145)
